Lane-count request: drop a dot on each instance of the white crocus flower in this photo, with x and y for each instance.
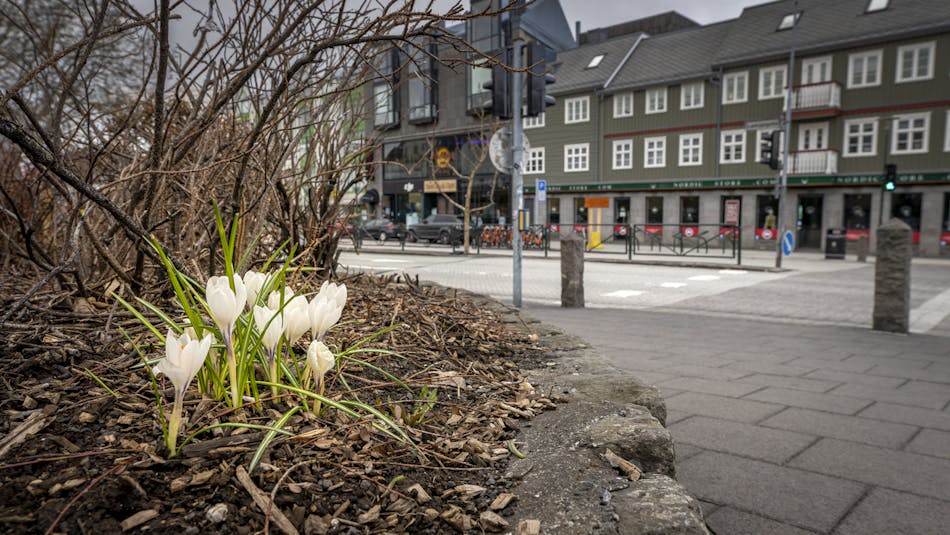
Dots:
(296, 318)
(183, 359)
(254, 282)
(271, 325)
(225, 304)
(326, 308)
(278, 297)
(320, 360)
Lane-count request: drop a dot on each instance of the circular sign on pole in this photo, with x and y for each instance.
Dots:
(499, 149)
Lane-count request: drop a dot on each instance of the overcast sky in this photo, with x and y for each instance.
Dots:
(600, 13)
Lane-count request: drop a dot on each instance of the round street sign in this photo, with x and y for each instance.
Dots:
(499, 149)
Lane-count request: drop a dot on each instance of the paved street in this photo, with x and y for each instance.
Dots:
(790, 416)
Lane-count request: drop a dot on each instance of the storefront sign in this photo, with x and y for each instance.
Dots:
(597, 202)
(793, 181)
(443, 157)
(440, 186)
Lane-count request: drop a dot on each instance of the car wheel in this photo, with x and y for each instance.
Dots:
(382, 236)
(444, 237)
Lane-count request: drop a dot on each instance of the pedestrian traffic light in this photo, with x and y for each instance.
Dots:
(890, 177)
(538, 79)
(500, 86)
(769, 148)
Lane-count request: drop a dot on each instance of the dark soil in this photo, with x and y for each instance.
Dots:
(78, 459)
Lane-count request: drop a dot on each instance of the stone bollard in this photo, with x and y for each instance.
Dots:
(892, 278)
(572, 271)
(862, 247)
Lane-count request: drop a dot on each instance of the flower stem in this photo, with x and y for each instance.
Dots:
(273, 373)
(174, 422)
(232, 371)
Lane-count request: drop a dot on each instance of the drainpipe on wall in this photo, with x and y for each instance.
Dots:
(595, 150)
(718, 119)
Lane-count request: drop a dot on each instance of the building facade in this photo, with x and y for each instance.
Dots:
(429, 111)
(665, 128)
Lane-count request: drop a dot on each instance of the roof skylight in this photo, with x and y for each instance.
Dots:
(595, 61)
(789, 20)
(877, 5)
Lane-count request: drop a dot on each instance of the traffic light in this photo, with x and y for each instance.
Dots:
(769, 149)
(500, 87)
(890, 177)
(538, 79)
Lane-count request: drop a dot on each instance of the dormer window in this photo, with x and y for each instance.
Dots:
(877, 5)
(788, 21)
(595, 61)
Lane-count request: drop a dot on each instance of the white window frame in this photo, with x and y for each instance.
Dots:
(623, 105)
(723, 146)
(745, 87)
(595, 61)
(946, 134)
(533, 122)
(699, 150)
(895, 132)
(648, 99)
(659, 149)
(876, 5)
(931, 45)
(697, 103)
(573, 108)
(879, 54)
(622, 148)
(845, 152)
(534, 161)
(772, 70)
(582, 156)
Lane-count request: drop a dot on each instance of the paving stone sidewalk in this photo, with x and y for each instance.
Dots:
(792, 429)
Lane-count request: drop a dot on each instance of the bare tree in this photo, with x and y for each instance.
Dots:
(465, 163)
(123, 135)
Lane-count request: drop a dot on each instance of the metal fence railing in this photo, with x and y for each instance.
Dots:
(695, 240)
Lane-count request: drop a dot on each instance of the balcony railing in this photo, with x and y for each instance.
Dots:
(826, 95)
(813, 162)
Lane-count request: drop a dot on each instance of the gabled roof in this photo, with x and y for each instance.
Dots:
(545, 21)
(825, 25)
(672, 57)
(571, 69)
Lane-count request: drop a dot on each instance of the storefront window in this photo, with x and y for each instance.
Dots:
(946, 212)
(857, 212)
(580, 211)
(766, 212)
(906, 207)
(554, 211)
(730, 210)
(654, 210)
(622, 210)
(689, 210)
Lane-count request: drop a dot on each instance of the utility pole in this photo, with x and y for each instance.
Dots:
(517, 183)
(783, 177)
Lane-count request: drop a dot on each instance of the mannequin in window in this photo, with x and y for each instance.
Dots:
(769, 218)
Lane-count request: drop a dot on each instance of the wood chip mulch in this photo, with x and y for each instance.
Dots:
(75, 458)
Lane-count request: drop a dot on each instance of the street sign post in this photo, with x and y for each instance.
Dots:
(541, 190)
(788, 243)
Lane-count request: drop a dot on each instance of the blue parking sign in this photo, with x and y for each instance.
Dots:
(788, 243)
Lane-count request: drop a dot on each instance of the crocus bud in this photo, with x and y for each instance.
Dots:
(271, 326)
(225, 304)
(326, 308)
(296, 318)
(320, 359)
(254, 282)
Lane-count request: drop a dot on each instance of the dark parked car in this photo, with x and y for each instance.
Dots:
(443, 228)
(382, 229)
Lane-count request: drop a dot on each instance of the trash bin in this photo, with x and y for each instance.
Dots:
(835, 242)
